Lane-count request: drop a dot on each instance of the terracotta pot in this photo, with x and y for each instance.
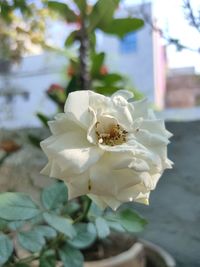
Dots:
(133, 257)
(142, 254)
(157, 256)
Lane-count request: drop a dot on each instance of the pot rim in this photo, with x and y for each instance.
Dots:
(160, 252)
(136, 249)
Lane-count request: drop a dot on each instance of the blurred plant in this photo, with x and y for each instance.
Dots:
(8, 147)
(22, 28)
(88, 71)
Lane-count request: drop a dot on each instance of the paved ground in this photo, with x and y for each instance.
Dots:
(174, 211)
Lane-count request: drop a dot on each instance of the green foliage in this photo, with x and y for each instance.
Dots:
(63, 10)
(46, 231)
(81, 4)
(102, 226)
(101, 16)
(120, 27)
(97, 61)
(15, 225)
(71, 38)
(34, 140)
(54, 195)
(48, 259)
(22, 24)
(6, 248)
(85, 235)
(61, 224)
(44, 119)
(130, 220)
(3, 224)
(32, 240)
(17, 206)
(63, 231)
(71, 256)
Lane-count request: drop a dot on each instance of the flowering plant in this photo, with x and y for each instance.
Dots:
(104, 151)
(109, 150)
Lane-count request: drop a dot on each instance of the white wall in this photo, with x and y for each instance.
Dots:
(34, 76)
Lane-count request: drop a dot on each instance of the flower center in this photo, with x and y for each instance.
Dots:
(113, 135)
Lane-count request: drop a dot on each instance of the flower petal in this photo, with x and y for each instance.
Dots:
(77, 105)
(72, 152)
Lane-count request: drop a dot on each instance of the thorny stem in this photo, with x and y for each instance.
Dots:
(84, 57)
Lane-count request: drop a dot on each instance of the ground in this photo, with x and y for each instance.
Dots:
(174, 211)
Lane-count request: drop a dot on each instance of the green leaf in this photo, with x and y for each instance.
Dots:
(46, 231)
(16, 225)
(97, 61)
(61, 224)
(34, 140)
(34, 240)
(94, 211)
(71, 257)
(121, 27)
(71, 207)
(106, 90)
(6, 248)
(17, 206)
(6, 11)
(103, 229)
(47, 259)
(44, 119)
(73, 85)
(31, 240)
(131, 221)
(81, 4)
(3, 225)
(112, 78)
(54, 195)
(101, 16)
(115, 226)
(86, 235)
(63, 10)
(71, 38)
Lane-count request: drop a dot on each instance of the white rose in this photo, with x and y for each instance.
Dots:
(112, 149)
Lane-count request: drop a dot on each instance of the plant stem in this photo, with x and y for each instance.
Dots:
(84, 57)
(28, 259)
(86, 208)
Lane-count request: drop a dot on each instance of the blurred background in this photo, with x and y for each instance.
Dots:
(159, 60)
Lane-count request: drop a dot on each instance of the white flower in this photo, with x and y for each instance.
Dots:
(112, 149)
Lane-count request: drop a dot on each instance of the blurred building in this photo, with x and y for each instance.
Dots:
(183, 88)
(139, 56)
(23, 90)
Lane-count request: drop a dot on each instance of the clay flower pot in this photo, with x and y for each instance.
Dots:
(142, 254)
(133, 257)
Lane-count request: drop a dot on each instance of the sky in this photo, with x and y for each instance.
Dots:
(170, 17)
